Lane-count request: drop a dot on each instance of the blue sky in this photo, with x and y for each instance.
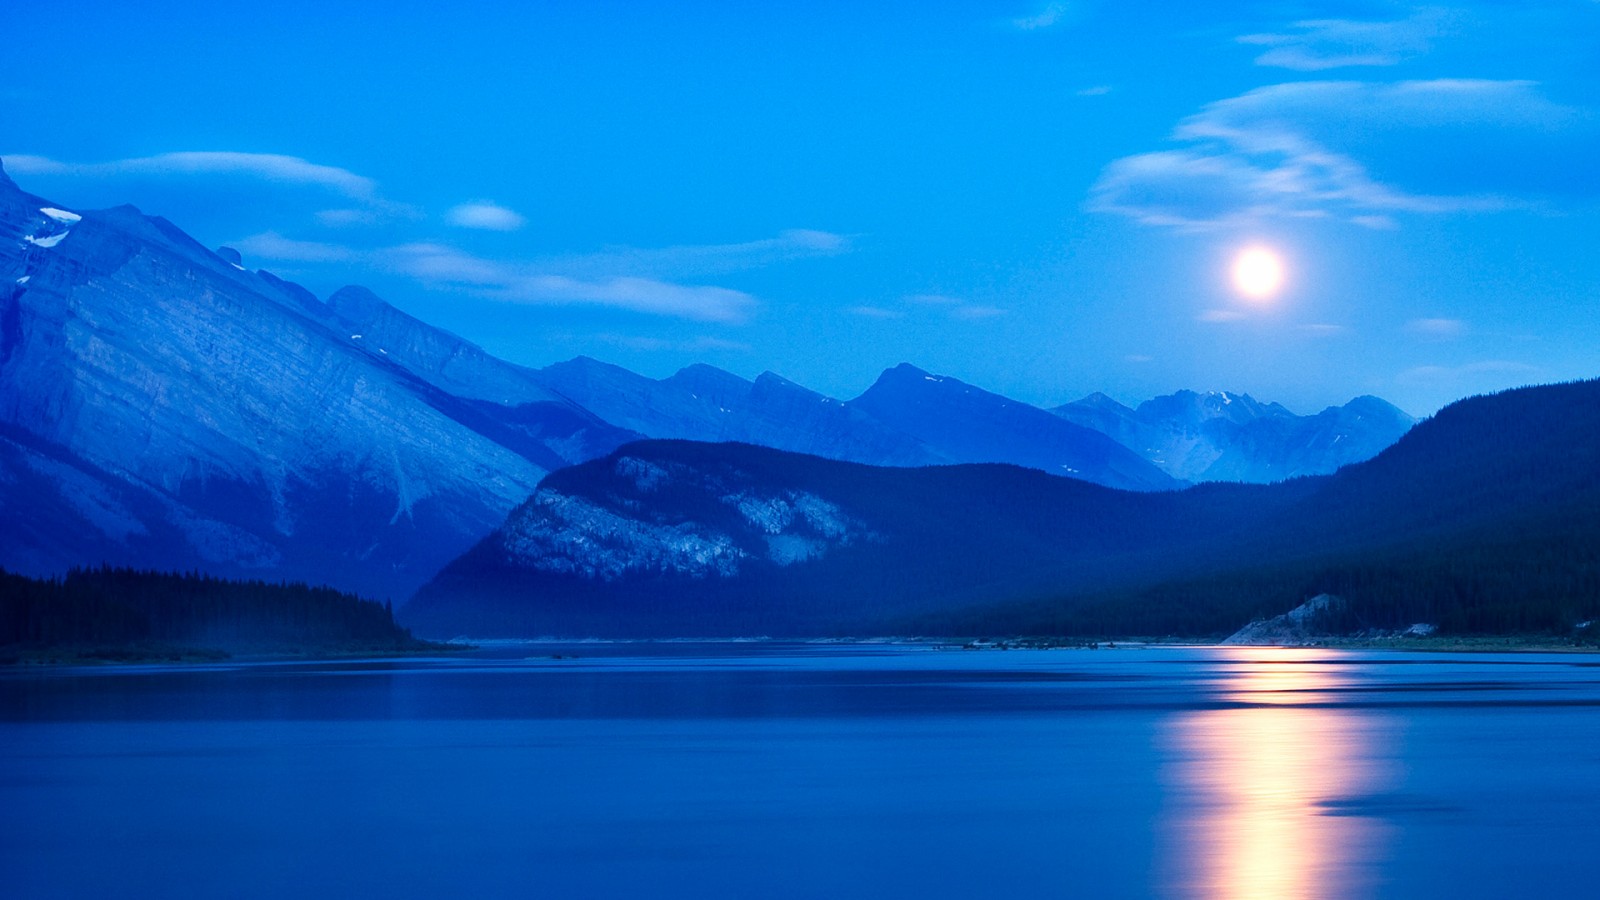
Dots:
(1042, 199)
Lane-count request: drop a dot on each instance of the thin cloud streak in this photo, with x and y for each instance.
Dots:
(1315, 45)
(268, 166)
(441, 265)
(690, 260)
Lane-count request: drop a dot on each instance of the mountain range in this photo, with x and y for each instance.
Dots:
(166, 407)
(1486, 517)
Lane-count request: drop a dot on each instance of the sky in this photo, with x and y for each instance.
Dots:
(1042, 199)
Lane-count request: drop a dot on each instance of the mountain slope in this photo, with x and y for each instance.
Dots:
(964, 424)
(245, 406)
(673, 538)
(1221, 436)
(703, 403)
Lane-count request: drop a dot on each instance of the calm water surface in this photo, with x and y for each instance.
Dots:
(791, 770)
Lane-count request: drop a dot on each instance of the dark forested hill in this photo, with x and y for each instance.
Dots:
(122, 612)
(1494, 504)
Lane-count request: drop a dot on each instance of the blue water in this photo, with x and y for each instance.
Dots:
(782, 770)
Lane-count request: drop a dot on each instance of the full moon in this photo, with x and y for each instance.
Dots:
(1258, 273)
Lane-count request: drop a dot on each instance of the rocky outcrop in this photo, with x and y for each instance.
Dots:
(1305, 624)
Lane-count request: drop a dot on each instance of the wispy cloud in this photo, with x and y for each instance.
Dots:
(926, 304)
(973, 311)
(272, 168)
(1437, 329)
(442, 265)
(689, 260)
(1322, 329)
(1502, 370)
(1048, 16)
(875, 312)
(274, 246)
(1275, 152)
(1219, 316)
(692, 345)
(1315, 45)
(268, 166)
(1099, 90)
(484, 215)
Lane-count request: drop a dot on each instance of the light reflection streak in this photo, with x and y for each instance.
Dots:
(1251, 785)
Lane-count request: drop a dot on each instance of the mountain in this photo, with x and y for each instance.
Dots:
(703, 403)
(1222, 436)
(967, 424)
(907, 418)
(162, 405)
(1486, 516)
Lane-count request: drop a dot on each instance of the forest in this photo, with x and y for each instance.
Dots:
(120, 612)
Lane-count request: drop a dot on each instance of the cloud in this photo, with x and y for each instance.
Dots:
(692, 345)
(954, 307)
(345, 218)
(486, 215)
(268, 166)
(1139, 358)
(875, 312)
(1099, 90)
(1322, 329)
(1296, 151)
(1218, 316)
(688, 260)
(1049, 16)
(973, 312)
(272, 245)
(438, 264)
(1498, 369)
(1315, 45)
(1437, 329)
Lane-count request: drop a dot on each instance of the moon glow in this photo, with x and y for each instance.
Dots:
(1258, 273)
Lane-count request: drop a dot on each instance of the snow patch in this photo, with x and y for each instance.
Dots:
(24, 279)
(47, 242)
(60, 215)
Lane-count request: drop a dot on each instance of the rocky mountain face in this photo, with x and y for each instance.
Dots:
(1486, 516)
(964, 424)
(177, 407)
(683, 538)
(1222, 436)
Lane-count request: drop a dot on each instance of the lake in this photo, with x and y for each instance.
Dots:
(807, 770)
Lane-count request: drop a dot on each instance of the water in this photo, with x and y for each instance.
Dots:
(771, 770)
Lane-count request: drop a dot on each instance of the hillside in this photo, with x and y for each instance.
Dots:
(681, 538)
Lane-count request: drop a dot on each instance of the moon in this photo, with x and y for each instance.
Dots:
(1258, 273)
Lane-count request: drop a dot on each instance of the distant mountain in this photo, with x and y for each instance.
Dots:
(1485, 517)
(162, 405)
(962, 424)
(703, 403)
(907, 418)
(1222, 436)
